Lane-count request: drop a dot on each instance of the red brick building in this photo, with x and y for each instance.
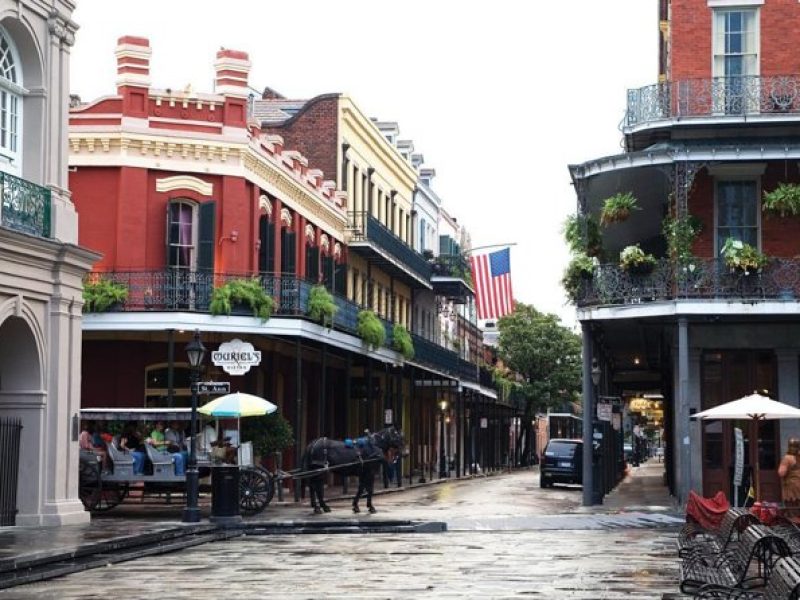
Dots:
(182, 191)
(706, 147)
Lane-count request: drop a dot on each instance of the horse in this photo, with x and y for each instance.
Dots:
(362, 457)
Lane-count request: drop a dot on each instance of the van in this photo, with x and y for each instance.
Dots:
(562, 463)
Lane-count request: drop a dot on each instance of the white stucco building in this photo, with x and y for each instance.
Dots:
(41, 266)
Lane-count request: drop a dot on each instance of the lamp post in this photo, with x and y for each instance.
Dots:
(196, 352)
(442, 455)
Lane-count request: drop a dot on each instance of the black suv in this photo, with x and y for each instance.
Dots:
(562, 463)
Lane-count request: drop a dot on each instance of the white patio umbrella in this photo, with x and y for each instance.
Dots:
(756, 408)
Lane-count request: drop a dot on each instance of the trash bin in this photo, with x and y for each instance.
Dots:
(225, 494)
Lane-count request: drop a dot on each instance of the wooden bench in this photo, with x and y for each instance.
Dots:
(758, 550)
(693, 539)
(783, 584)
(163, 463)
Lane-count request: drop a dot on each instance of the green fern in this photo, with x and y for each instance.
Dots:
(321, 305)
(101, 294)
(402, 341)
(370, 329)
(242, 291)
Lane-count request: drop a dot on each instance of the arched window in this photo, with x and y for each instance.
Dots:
(182, 235)
(11, 92)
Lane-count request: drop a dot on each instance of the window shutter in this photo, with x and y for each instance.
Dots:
(206, 237)
(266, 254)
(288, 252)
(312, 263)
(340, 279)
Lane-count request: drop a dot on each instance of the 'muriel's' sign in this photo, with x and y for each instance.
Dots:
(236, 357)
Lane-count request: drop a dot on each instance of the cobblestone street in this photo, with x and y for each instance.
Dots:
(507, 537)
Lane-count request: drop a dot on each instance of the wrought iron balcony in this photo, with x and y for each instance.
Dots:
(701, 279)
(366, 228)
(190, 291)
(24, 206)
(451, 277)
(716, 97)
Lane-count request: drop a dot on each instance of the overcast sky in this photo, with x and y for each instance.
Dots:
(499, 96)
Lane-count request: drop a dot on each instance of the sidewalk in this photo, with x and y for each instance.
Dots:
(643, 490)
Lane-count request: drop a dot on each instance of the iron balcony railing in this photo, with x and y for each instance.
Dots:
(450, 265)
(24, 206)
(715, 97)
(366, 228)
(190, 291)
(700, 278)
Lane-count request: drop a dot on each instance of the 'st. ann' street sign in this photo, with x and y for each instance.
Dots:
(214, 387)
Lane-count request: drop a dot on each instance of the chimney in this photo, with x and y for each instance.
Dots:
(232, 68)
(133, 74)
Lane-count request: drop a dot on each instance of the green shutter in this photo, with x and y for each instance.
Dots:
(288, 252)
(206, 239)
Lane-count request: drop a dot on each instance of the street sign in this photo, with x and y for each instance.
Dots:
(214, 387)
(604, 411)
(387, 417)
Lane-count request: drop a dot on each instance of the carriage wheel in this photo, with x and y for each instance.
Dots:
(256, 489)
(89, 484)
(111, 494)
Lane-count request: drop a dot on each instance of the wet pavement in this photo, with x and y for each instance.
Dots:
(506, 537)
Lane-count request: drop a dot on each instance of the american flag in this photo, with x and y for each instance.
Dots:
(491, 274)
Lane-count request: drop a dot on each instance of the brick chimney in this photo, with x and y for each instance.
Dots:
(232, 68)
(133, 74)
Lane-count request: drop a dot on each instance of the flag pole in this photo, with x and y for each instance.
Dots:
(471, 250)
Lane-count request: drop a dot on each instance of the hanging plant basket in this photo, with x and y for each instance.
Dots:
(618, 208)
(783, 201)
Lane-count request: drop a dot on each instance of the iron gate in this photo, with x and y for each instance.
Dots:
(10, 430)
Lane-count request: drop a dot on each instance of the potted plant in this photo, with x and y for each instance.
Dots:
(618, 208)
(100, 294)
(741, 257)
(634, 260)
(783, 200)
(370, 329)
(269, 434)
(579, 271)
(321, 305)
(582, 234)
(242, 292)
(402, 342)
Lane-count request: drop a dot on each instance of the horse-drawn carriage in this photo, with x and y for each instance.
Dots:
(105, 481)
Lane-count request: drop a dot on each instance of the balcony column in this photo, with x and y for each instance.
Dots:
(459, 429)
(588, 413)
(300, 444)
(683, 426)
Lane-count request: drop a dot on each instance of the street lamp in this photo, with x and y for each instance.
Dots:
(196, 352)
(442, 455)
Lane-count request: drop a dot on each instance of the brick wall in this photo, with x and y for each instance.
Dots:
(314, 133)
(691, 28)
(780, 236)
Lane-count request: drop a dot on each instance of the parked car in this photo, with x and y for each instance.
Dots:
(562, 463)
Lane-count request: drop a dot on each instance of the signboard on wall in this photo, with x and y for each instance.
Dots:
(604, 411)
(484, 423)
(236, 357)
(387, 417)
(738, 466)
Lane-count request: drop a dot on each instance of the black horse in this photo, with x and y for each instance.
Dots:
(362, 457)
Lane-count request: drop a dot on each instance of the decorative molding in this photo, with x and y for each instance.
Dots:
(184, 182)
(324, 243)
(734, 3)
(265, 205)
(737, 169)
(310, 232)
(337, 251)
(286, 217)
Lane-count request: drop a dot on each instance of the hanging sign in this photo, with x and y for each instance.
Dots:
(738, 467)
(604, 411)
(236, 357)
